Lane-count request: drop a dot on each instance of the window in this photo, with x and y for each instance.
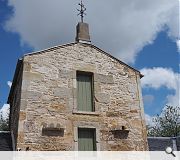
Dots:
(85, 91)
(86, 139)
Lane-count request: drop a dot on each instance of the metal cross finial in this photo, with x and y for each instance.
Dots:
(81, 11)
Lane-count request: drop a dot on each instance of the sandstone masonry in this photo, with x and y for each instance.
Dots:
(44, 94)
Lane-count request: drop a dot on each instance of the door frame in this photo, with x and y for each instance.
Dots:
(90, 126)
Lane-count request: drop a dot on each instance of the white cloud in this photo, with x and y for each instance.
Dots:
(162, 77)
(149, 120)
(178, 45)
(9, 83)
(4, 111)
(120, 27)
(157, 77)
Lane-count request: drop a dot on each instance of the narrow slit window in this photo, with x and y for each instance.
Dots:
(85, 92)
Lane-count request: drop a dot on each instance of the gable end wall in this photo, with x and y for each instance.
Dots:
(49, 98)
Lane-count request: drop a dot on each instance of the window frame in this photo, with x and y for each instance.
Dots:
(92, 90)
(79, 124)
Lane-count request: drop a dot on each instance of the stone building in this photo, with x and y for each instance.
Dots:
(76, 97)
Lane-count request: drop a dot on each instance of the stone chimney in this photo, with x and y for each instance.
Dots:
(82, 32)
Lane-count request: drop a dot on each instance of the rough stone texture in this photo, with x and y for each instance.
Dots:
(48, 98)
(82, 32)
(102, 98)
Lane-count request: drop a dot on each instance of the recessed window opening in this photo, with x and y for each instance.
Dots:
(85, 91)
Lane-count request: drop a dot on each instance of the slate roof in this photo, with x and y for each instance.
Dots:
(178, 143)
(161, 143)
(5, 141)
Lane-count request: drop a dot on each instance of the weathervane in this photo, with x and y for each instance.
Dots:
(81, 11)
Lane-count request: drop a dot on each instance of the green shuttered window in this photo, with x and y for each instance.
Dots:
(86, 139)
(85, 92)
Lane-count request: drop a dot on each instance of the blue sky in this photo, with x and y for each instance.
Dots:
(162, 53)
(151, 49)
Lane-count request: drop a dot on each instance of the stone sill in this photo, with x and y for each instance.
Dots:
(86, 113)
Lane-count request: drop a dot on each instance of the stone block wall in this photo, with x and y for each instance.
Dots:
(49, 99)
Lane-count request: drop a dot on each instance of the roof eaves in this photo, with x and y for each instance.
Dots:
(49, 49)
(18, 66)
(108, 54)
